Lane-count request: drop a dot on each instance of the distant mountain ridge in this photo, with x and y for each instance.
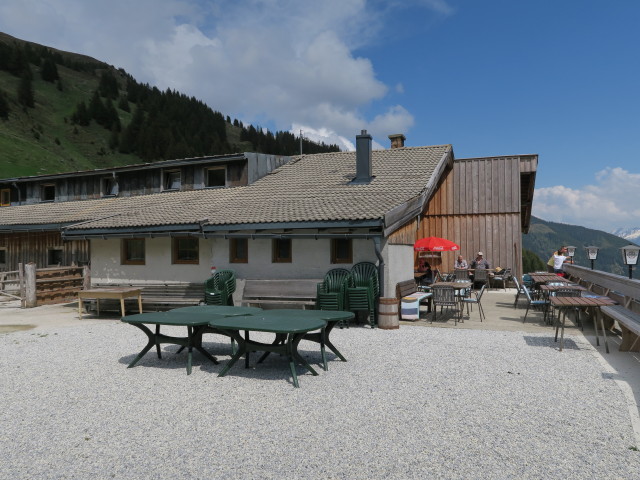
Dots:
(632, 234)
(545, 237)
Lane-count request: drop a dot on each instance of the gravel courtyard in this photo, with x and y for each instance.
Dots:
(409, 403)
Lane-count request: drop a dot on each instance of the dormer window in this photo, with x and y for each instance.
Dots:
(172, 180)
(5, 197)
(48, 192)
(109, 187)
(215, 177)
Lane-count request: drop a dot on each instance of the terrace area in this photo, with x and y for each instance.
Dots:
(494, 398)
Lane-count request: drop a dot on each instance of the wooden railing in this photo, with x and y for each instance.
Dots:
(623, 290)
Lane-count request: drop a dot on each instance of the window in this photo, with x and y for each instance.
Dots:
(341, 250)
(185, 250)
(238, 250)
(172, 180)
(281, 250)
(216, 177)
(109, 187)
(5, 197)
(47, 192)
(54, 257)
(132, 251)
(3, 256)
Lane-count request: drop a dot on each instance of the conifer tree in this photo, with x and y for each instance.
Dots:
(48, 70)
(4, 106)
(25, 90)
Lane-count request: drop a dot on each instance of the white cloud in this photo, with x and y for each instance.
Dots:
(280, 62)
(612, 202)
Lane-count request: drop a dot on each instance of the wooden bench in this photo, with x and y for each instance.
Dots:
(293, 292)
(629, 322)
(160, 296)
(407, 287)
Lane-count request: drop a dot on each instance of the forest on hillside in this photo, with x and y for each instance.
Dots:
(136, 119)
(546, 237)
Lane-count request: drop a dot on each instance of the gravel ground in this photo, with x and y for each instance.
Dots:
(409, 403)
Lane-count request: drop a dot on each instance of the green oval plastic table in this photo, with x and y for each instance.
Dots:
(293, 328)
(195, 323)
(332, 317)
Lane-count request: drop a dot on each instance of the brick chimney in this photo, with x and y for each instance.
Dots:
(397, 140)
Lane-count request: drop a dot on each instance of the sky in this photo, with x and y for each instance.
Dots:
(559, 78)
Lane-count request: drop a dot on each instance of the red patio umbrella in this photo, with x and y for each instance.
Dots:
(435, 244)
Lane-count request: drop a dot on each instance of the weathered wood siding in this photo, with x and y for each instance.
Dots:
(476, 205)
(26, 247)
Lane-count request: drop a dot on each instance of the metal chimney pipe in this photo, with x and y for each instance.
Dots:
(363, 158)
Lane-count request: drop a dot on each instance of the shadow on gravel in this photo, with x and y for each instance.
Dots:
(550, 343)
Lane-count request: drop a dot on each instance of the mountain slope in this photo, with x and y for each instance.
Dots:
(545, 237)
(61, 112)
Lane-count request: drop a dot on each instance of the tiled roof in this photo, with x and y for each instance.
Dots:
(309, 188)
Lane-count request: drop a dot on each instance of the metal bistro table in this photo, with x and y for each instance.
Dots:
(194, 324)
(332, 317)
(591, 302)
(294, 329)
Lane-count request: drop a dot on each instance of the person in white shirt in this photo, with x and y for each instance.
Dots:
(559, 259)
(461, 263)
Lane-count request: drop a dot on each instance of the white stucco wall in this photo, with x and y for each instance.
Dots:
(311, 259)
(398, 266)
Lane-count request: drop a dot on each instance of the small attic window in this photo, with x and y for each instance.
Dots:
(47, 192)
(172, 180)
(109, 187)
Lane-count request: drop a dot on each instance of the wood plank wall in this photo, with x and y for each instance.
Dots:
(476, 205)
(26, 247)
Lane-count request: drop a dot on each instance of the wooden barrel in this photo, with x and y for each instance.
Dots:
(388, 318)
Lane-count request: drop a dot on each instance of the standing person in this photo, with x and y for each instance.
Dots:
(480, 262)
(550, 262)
(460, 263)
(559, 259)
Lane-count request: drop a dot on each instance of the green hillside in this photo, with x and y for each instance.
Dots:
(545, 237)
(61, 112)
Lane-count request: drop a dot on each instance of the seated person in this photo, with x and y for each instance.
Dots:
(427, 277)
(480, 262)
(460, 263)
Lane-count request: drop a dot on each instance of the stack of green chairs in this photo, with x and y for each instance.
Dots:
(218, 290)
(363, 290)
(332, 291)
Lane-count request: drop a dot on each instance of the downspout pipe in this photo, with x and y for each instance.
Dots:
(377, 246)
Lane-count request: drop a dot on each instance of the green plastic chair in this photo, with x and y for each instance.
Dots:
(363, 290)
(218, 290)
(332, 291)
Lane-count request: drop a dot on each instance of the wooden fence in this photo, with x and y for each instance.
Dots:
(44, 286)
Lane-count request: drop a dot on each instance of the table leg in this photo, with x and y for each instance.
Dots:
(140, 302)
(189, 348)
(242, 348)
(158, 344)
(248, 352)
(98, 306)
(79, 308)
(150, 343)
(604, 332)
(122, 306)
(595, 327)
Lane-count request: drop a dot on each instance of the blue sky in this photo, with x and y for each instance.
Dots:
(494, 77)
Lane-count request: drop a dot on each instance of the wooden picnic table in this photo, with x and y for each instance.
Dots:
(117, 293)
(592, 303)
